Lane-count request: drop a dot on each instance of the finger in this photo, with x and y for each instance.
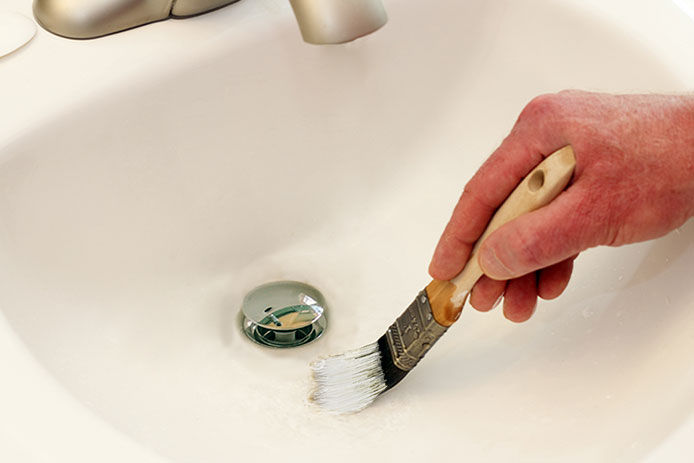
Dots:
(544, 237)
(486, 294)
(524, 148)
(552, 281)
(520, 298)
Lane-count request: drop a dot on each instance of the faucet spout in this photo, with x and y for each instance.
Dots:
(338, 21)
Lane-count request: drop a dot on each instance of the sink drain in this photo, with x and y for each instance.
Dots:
(284, 314)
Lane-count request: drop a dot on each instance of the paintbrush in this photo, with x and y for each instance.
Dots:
(350, 381)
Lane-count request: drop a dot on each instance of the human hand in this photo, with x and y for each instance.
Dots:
(634, 181)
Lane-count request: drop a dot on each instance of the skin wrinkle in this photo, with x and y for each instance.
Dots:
(634, 180)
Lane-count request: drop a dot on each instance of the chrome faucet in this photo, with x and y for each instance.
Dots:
(320, 21)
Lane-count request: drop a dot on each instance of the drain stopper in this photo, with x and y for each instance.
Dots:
(284, 314)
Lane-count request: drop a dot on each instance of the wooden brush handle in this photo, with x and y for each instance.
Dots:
(537, 189)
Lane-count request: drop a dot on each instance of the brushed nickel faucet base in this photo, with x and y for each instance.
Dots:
(320, 21)
(86, 19)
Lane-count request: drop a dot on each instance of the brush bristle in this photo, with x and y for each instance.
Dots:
(351, 381)
(348, 382)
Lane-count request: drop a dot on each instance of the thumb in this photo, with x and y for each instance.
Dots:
(541, 238)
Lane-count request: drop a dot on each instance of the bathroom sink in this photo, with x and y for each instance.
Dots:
(137, 214)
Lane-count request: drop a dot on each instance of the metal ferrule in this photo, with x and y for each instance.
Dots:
(413, 333)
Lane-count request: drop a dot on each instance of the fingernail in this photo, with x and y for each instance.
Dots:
(492, 266)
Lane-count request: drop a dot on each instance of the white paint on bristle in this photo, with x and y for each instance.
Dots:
(348, 382)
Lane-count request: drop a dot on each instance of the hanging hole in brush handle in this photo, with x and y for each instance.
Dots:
(537, 189)
(536, 180)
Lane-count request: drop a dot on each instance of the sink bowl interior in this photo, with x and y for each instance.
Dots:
(133, 227)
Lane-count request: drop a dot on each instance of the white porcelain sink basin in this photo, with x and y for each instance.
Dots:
(136, 217)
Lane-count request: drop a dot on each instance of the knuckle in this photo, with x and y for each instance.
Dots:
(572, 93)
(472, 194)
(455, 240)
(542, 106)
(475, 190)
